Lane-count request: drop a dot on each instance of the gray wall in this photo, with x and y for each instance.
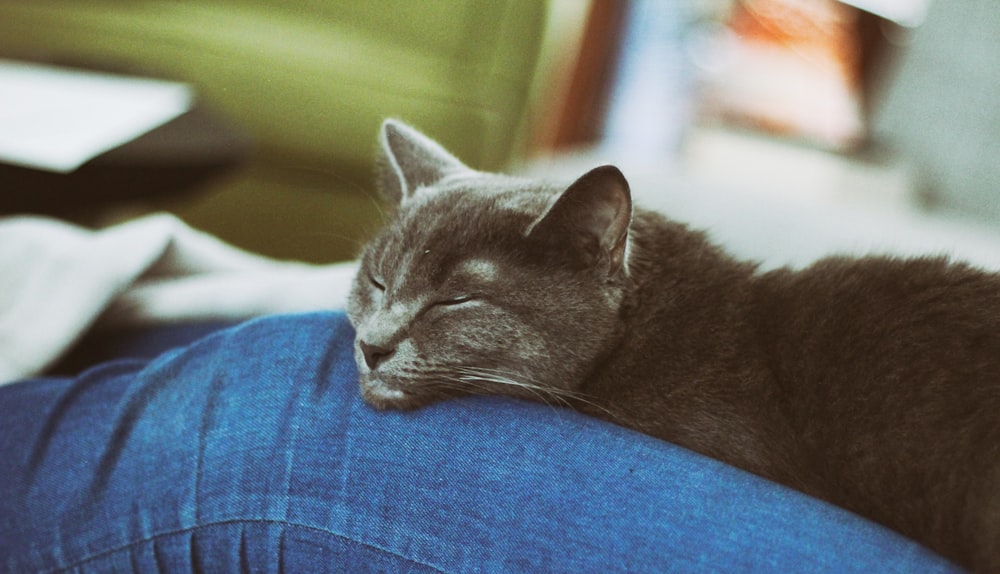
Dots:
(942, 108)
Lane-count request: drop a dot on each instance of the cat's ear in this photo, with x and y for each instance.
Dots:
(409, 160)
(590, 220)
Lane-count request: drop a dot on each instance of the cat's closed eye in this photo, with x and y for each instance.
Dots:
(454, 301)
(376, 283)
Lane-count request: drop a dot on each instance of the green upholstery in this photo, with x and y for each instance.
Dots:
(310, 82)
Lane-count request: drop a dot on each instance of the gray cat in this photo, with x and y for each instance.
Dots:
(871, 383)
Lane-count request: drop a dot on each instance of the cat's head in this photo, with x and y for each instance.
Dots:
(484, 283)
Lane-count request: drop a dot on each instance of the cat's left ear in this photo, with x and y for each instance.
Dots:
(590, 220)
(409, 160)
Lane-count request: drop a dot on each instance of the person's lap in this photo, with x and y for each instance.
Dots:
(251, 449)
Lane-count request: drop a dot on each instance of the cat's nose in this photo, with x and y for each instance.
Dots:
(374, 354)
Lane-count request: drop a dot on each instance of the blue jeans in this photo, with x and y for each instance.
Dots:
(250, 450)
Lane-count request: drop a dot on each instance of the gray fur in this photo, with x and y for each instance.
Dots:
(871, 383)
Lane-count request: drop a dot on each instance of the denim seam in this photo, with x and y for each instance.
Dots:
(110, 551)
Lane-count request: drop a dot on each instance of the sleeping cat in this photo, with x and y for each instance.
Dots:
(871, 383)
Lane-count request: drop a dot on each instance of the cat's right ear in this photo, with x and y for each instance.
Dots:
(410, 161)
(590, 220)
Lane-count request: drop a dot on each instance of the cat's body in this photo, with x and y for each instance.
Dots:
(872, 383)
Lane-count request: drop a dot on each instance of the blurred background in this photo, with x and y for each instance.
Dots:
(856, 112)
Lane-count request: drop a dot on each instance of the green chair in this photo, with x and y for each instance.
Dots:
(309, 82)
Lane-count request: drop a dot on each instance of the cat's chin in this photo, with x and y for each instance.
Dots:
(382, 396)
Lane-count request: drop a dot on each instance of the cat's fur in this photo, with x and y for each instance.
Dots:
(872, 383)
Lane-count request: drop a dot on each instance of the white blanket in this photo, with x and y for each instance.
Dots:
(57, 281)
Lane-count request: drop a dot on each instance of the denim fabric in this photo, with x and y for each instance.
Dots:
(140, 342)
(250, 450)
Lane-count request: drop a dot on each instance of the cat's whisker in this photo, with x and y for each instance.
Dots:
(538, 392)
(481, 383)
(443, 379)
(355, 242)
(564, 397)
(461, 378)
(502, 380)
(462, 383)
